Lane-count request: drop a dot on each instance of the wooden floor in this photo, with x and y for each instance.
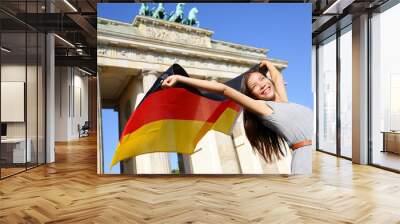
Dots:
(10, 171)
(69, 191)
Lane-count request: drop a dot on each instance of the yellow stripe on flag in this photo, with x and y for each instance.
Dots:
(225, 121)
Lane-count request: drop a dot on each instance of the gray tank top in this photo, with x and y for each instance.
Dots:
(293, 122)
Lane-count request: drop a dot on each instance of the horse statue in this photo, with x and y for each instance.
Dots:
(192, 20)
(177, 16)
(144, 10)
(158, 13)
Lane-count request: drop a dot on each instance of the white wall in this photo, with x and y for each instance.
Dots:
(71, 94)
(80, 100)
(61, 103)
(12, 73)
(33, 126)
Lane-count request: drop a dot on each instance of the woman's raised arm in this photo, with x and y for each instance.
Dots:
(252, 105)
(277, 78)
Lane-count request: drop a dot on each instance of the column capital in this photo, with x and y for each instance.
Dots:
(148, 78)
(211, 78)
(146, 72)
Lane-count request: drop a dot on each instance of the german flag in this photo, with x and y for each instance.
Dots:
(175, 119)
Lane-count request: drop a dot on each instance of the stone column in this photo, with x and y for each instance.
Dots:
(249, 161)
(226, 149)
(154, 163)
(206, 158)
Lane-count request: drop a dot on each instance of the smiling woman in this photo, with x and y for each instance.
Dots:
(282, 121)
(268, 117)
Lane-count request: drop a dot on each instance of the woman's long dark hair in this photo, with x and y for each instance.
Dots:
(267, 142)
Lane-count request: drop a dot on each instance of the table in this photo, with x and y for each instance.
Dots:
(391, 141)
(15, 148)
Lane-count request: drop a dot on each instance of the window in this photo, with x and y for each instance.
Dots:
(327, 95)
(385, 88)
(346, 92)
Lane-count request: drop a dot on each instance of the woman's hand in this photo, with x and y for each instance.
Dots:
(277, 79)
(265, 63)
(170, 81)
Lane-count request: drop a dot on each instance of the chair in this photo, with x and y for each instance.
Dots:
(84, 130)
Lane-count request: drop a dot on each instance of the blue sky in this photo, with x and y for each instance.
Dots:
(284, 29)
(110, 138)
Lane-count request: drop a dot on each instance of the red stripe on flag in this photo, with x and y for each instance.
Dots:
(177, 103)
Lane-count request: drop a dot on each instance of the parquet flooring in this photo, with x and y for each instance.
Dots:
(10, 171)
(70, 191)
